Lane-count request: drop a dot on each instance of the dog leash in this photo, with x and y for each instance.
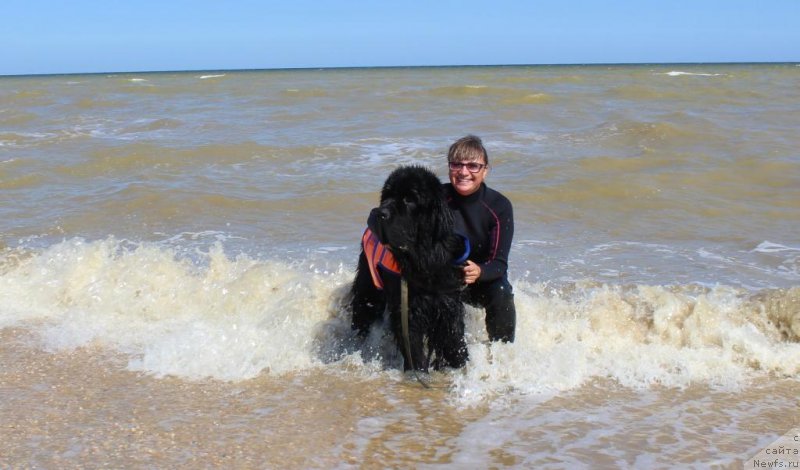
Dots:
(404, 326)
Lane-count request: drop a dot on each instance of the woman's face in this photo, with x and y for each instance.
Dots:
(464, 181)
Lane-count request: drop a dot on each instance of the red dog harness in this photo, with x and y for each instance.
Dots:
(378, 256)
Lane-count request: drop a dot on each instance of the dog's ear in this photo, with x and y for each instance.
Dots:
(441, 217)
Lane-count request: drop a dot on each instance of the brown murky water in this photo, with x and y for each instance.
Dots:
(175, 247)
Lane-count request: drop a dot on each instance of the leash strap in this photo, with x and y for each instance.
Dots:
(404, 326)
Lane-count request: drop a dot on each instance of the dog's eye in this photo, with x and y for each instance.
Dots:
(409, 203)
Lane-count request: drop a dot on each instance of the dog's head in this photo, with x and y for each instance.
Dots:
(413, 213)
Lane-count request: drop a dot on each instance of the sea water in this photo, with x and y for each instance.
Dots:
(176, 251)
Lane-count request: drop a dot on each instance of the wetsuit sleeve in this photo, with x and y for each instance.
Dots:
(500, 239)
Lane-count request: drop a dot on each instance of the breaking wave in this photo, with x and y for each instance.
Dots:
(205, 313)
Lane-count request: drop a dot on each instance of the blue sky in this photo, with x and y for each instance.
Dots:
(38, 36)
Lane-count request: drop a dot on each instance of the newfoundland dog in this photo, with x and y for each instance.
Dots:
(411, 239)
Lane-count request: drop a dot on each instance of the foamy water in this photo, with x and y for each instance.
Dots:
(203, 227)
(234, 317)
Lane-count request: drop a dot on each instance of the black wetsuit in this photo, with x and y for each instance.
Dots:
(486, 217)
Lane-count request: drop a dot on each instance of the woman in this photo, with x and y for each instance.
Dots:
(488, 222)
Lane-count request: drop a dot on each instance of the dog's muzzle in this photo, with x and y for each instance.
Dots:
(378, 218)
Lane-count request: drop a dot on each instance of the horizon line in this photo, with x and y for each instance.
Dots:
(358, 67)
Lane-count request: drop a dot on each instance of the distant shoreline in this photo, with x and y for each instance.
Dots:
(401, 67)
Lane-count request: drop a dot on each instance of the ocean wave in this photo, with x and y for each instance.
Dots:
(540, 79)
(121, 159)
(378, 152)
(42, 139)
(304, 92)
(150, 125)
(710, 92)
(646, 92)
(23, 97)
(678, 73)
(769, 247)
(20, 182)
(94, 103)
(507, 96)
(19, 139)
(642, 135)
(236, 317)
(15, 117)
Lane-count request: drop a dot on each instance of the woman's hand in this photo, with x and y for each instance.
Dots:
(471, 272)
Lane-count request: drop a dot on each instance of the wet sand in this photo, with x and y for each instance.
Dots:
(82, 409)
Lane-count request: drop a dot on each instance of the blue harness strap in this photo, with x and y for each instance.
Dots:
(467, 249)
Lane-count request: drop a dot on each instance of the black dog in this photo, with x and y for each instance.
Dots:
(412, 235)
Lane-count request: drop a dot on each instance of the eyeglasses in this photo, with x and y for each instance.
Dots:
(472, 167)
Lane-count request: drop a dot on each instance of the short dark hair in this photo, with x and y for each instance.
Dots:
(468, 148)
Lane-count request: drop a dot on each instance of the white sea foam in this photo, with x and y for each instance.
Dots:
(231, 320)
(535, 243)
(677, 73)
(703, 253)
(204, 77)
(236, 318)
(379, 152)
(639, 338)
(330, 249)
(769, 247)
